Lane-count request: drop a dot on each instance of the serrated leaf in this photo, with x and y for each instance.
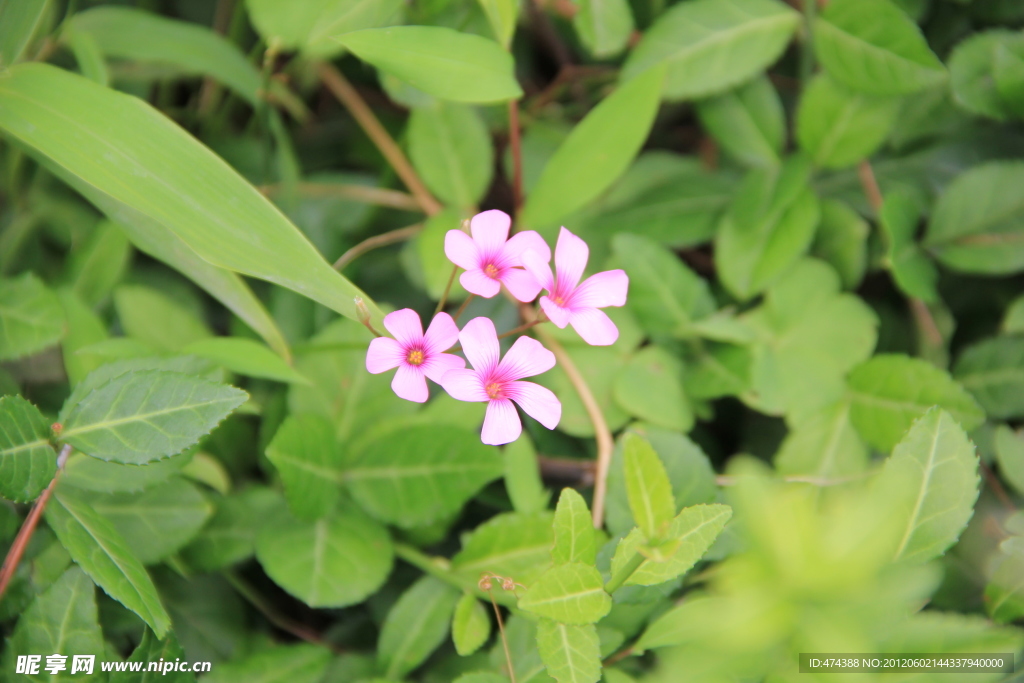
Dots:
(333, 562)
(31, 317)
(647, 486)
(308, 458)
(748, 122)
(713, 45)
(913, 271)
(245, 357)
(297, 663)
(650, 388)
(603, 26)
(450, 147)
(471, 627)
(575, 539)
(150, 649)
(570, 593)
(823, 445)
(510, 545)
(312, 26)
(230, 536)
(147, 415)
(522, 478)
(873, 47)
(415, 626)
(571, 653)
(420, 474)
(90, 474)
(27, 460)
(890, 391)
(186, 365)
(96, 546)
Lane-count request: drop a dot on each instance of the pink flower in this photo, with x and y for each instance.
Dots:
(568, 303)
(490, 260)
(414, 354)
(496, 381)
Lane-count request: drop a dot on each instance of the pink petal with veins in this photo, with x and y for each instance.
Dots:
(571, 254)
(502, 424)
(536, 401)
(405, 325)
(521, 284)
(410, 384)
(527, 240)
(490, 230)
(441, 335)
(438, 364)
(596, 328)
(461, 250)
(384, 354)
(559, 315)
(607, 288)
(464, 385)
(480, 344)
(526, 358)
(476, 282)
(539, 268)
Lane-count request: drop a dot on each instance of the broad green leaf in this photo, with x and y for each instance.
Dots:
(245, 357)
(842, 241)
(913, 271)
(575, 539)
(770, 225)
(571, 653)
(823, 445)
(1013, 319)
(19, 20)
(839, 127)
(599, 365)
(510, 544)
(993, 371)
(748, 122)
(596, 153)
(648, 487)
(31, 318)
(415, 626)
(664, 293)
(871, 46)
(450, 147)
(978, 222)
(501, 15)
(522, 478)
(147, 415)
(207, 470)
(332, 562)
(1008, 71)
(1010, 456)
(90, 474)
(311, 25)
(307, 457)
(420, 474)
(89, 57)
(63, 619)
(972, 67)
(934, 470)
(230, 536)
(691, 534)
(138, 166)
(712, 45)
(471, 627)
(84, 329)
(100, 264)
(481, 677)
(521, 633)
(718, 370)
(428, 247)
(27, 461)
(571, 593)
(890, 391)
(650, 388)
(156, 319)
(157, 522)
(150, 649)
(296, 663)
(603, 26)
(1004, 594)
(444, 63)
(96, 546)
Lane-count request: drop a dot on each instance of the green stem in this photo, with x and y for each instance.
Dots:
(462, 308)
(440, 568)
(807, 49)
(447, 290)
(620, 577)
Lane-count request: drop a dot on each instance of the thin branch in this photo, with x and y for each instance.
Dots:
(523, 327)
(447, 290)
(997, 487)
(870, 185)
(287, 624)
(504, 638)
(926, 322)
(379, 196)
(462, 308)
(515, 146)
(375, 242)
(356, 105)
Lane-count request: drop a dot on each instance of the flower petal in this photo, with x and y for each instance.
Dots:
(536, 401)
(383, 355)
(521, 284)
(539, 268)
(607, 288)
(480, 344)
(461, 250)
(596, 328)
(410, 384)
(490, 230)
(441, 335)
(438, 364)
(555, 313)
(405, 325)
(502, 424)
(571, 254)
(464, 385)
(523, 241)
(526, 358)
(476, 282)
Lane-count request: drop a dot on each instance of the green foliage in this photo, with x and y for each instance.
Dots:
(27, 461)
(574, 532)
(570, 652)
(571, 593)
(307, 457)
(30, 317)
(748, 121)
(471, 627)
(648, 487)
(450, 148)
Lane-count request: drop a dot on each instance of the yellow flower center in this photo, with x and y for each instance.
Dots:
(491, 271)
(415, 357)
(559, 300)
(493, 390)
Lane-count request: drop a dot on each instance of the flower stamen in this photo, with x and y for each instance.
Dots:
(415, 357)
(491, 271)
(493, 390)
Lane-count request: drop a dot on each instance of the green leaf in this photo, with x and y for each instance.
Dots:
(311, 25)
(420, 474)
(650, 388)
(934, 472)
(230, 536)
(245, 357)
(27, 461)
(1004, 594)
(157, 320)
(871, 46)
(481, 677)
(152, 650)
(890, 391)
(993, 371)
(100, 264)
(451, 149)
(712, 45)
(471, 627)
(842, 241)
(1013, 318)
(444, 63)
(839, 127)
(823, 445)
(501, 15)
(1008, 71)
(90, 474)
(691, 534)
(521, 633)
(307, 457)
(509, 544)
(415, 626)
(575, 539)
(748, 122)
(96, 546)
(1009, 447)
(428, 246)
(147, 415)
(972, 67)
(598, 150)
(770, 225)
(138, 166)
(84, 329)
(571, 653)
(19, 21)
(31, 318)
(718, 370)
(603, 26)
(978, 222)
(297, 663)
(647, 486)
(522, 478)
(333, 562)
(913, 271)
(571, 593)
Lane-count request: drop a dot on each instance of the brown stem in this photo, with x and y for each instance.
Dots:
(380, 196)
(375, 242)
(997, 487)
(523, 327)
(463, 307)
(356, 105)
(870, 185)
(516, 148)
(447, 290)
(300, 631)
(504, 638)
(925, 322)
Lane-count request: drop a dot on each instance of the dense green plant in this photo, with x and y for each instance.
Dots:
(798, 434)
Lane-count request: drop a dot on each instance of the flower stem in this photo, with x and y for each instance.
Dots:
(504, 638)
(516, 149)
(375, 242)
(621, 576)
(447, 290)
(380, 196)
(523, 327)
(807, 48)
(462, 307)
(440, 568)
